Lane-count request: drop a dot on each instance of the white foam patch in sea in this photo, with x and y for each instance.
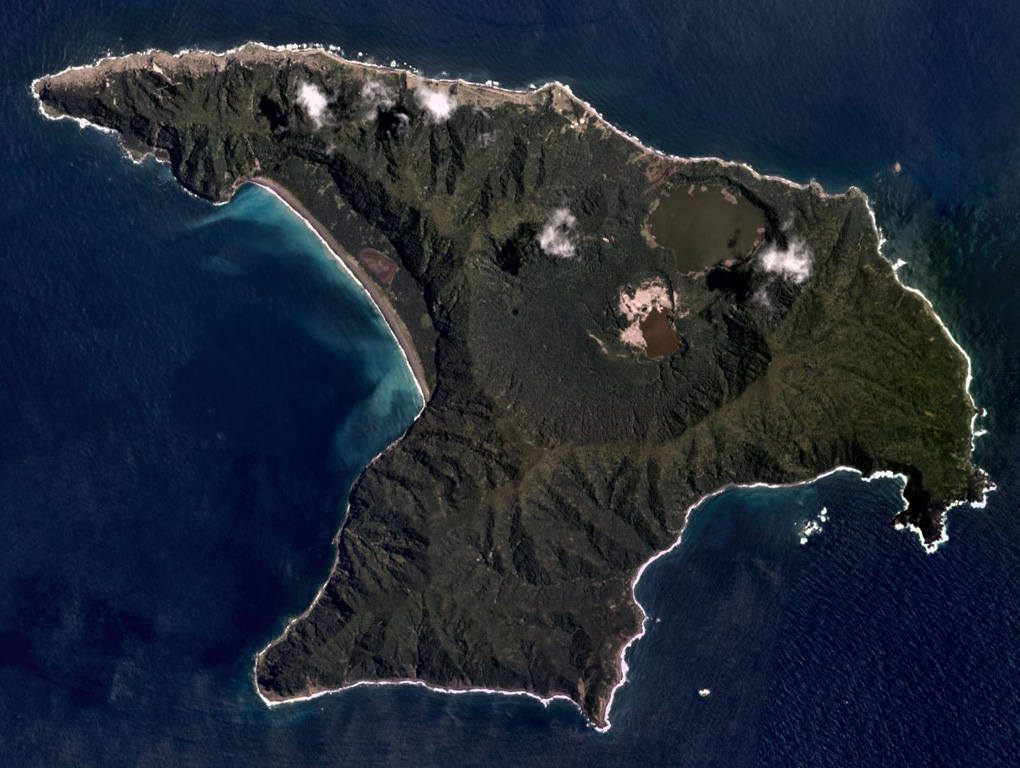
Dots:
(929, 548)
(814, 527)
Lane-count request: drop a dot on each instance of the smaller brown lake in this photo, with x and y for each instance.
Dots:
(705, 225)
(660, 338)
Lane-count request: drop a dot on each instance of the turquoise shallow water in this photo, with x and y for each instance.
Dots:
(186, 393)
(361, 334)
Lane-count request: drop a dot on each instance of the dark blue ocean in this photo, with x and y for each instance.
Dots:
(186, 393)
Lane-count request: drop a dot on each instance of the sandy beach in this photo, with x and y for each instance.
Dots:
(382, 302)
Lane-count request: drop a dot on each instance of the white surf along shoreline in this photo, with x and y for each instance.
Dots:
(337, 53)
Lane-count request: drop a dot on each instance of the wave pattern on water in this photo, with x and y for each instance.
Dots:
(188, 393)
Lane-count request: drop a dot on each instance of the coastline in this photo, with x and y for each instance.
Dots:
(624, 667)
(930, 548)
(336, 53)
(400, 334)
(357, 273)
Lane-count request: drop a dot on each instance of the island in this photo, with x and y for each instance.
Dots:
(604, 335)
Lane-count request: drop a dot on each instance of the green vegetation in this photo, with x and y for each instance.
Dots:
(495, 544)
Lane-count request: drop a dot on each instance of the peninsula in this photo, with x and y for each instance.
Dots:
(604, 334)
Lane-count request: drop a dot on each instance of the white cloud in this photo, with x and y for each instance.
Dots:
(555, 235)
(761, 297)
(402, 122)
(438, 104)
(376, 96)
(313, 101)
(793, 261)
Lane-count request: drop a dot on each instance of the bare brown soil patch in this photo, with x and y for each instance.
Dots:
(382, 267)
